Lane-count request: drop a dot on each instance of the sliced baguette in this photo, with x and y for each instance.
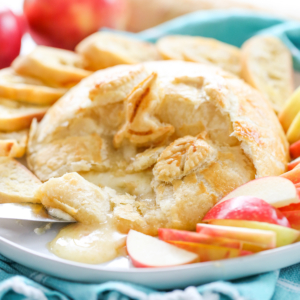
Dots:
(104, 49)
(15, 116)
(201, 50)
(17, 184)
(13, 144)
(267, 66)
(27, 89)
(56, 67)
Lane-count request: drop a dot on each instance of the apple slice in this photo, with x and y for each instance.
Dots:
(167, 234)
(275, 190)
(148, 252)
(284, 235)
(295, 150)
(247, 208)
(290, 110)
(293, 164)
(294, 218)
(293, 133)
(210, 252)
(293, 176)
(262, 238)
(293, 206)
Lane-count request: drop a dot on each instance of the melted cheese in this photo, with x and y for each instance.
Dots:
(92, 244)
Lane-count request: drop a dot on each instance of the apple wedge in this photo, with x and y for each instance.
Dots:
(293, 176)
(295, 150)
(293, 206)
(264, 239)
(210, 252)
(294, 218)
(284, 235)
(148, 252)
(290, 110)
(247, 208)
(293, 133)
(275, 190)
(293, 163)
(167, 234)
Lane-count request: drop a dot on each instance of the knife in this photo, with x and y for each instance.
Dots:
(29, 212)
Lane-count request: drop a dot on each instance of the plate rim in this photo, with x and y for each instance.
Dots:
(98, 267)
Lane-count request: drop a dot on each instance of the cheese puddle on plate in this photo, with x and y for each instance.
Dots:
(91, 244)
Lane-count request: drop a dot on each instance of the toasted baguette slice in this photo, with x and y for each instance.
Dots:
(16, 116)
(17, 184)
(71, 193)
(201, 50)
(267, 66)
(13, 144)
(27, 89)
(104, 49)
(56, 67)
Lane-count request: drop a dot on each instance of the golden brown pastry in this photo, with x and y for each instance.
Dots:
(27, 89)
(105, 49)
(176, 139)
(13, 144)
(201, 50)
(267, 66)
(56, 67)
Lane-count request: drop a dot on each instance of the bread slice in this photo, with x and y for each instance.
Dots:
(201, 50)
(57, 67)
(105, 49)
(13, 144)
(15, 116)
(267, 66)
(27, 89)
(17, 184)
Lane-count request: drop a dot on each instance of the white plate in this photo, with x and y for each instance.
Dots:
(19, 243)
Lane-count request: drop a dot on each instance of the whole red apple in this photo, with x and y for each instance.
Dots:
(11, 33)
(247, 208)
(64, 23)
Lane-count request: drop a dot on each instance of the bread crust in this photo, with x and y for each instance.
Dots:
(13, 144)
(27, 89)
(15, 116)
(105, 49)
(57, 67)
(17, 184)
(224, 134)
(267, 66)
(202, 50)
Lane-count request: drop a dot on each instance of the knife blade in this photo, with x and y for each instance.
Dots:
(29, 212)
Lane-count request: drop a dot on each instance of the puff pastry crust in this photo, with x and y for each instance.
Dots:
(173, 141)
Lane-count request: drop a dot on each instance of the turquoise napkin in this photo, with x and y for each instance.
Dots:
(234, 27)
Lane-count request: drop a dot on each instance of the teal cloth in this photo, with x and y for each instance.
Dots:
(234, 27)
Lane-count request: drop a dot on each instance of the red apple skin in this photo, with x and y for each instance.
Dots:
(247, 208)
(10, 37)
(293, 164)
(291, 207)
(249, 237)
(167, 234)
(295, 150)
(294, 218)
(64, 23)
(293, 175)
(210, 252)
